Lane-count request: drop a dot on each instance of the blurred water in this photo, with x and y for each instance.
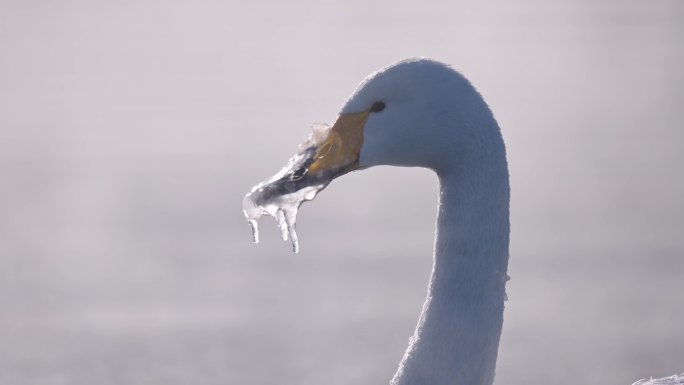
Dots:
(130, 131)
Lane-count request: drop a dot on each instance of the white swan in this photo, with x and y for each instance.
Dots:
(434, 118)
(420, 112)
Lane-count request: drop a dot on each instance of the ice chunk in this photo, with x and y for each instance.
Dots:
(281, 195)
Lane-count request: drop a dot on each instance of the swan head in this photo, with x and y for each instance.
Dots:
(417, 112)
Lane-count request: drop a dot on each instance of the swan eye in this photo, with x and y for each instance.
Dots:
(377, 107)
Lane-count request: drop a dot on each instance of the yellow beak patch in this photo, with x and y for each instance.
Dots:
(341, 150)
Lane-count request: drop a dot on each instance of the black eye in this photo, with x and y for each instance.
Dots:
(377, 107)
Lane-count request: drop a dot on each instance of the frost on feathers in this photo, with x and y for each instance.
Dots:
(672, 380)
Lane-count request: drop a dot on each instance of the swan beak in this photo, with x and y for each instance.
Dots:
(340, 151)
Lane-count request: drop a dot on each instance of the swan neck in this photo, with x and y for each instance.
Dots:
(457, 337)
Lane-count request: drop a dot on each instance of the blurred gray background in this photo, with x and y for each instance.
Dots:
(130, 131)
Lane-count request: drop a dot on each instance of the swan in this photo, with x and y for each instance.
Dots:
(422, 113)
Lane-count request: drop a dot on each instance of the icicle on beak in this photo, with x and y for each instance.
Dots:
(326, 154)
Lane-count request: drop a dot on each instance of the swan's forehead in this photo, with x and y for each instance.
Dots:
(404, 80)
(379, 87)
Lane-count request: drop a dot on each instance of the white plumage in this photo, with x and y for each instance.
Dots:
(434, 118)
